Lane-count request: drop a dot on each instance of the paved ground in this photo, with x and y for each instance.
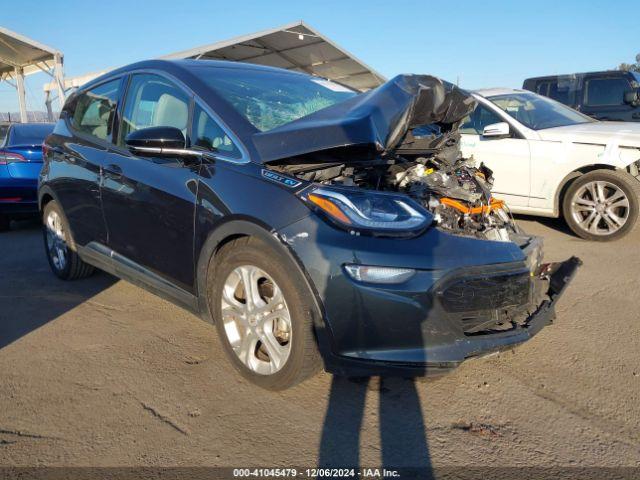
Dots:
(100, 373)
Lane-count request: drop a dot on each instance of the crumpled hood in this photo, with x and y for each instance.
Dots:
(624, 134)
(379, 118)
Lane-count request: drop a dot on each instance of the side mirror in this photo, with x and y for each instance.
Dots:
(161, 141)
(631, 97)
(496, 130)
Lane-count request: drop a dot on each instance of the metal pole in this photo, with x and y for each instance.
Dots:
(47, 102)
(58, 74)
(22, 101)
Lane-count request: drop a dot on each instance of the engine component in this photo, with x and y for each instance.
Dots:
(426, 166)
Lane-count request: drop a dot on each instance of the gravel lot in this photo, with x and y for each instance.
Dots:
(98, 372)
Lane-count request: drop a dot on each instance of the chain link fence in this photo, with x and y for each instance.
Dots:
(32, 116)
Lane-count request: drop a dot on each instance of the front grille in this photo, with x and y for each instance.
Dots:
(486, 293)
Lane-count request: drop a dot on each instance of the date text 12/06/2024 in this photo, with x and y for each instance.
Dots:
(315, 473)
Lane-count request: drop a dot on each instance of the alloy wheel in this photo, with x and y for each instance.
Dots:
(600, 207)
(256, 319)
(56, 243)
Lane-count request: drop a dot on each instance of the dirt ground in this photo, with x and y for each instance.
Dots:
(98, 372)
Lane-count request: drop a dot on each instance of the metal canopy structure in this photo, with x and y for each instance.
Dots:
(20, 56)
(295, 46)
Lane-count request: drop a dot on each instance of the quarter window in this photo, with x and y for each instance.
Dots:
(208, 134)
(605, 91)
(95, 110)
(153, 101)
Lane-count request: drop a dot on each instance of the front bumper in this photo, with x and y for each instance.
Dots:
(412, 329)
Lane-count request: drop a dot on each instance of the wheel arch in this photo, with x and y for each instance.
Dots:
(568, 180)
(45, 195)
(241, 227)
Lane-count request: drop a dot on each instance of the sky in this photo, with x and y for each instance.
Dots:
(477, 43)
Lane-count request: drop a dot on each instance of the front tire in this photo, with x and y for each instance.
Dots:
(602, 205)
(263, 317)
(58, 244)
(5, 223)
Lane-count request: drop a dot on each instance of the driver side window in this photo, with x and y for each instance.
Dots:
(481, 117)
(153, 101)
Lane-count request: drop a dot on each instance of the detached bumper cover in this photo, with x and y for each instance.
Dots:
(559, 275)
(441, 358)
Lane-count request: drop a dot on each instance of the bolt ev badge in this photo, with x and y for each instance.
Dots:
(274, 177)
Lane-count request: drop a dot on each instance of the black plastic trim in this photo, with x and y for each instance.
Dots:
(112, 262)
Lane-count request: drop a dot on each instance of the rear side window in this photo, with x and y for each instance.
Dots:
(154, 101)
(563, 92)
(210, 136)
(95, 110)
(605, 91)
(543, 89)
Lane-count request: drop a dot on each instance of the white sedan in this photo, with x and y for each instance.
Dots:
(551, 160)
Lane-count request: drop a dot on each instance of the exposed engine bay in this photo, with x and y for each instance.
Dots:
(449, 186)
(401, 137)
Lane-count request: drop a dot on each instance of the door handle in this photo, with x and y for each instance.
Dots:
(113, 171)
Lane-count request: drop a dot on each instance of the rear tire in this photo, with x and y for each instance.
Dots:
(602, 205)
(269, 340)
(59, 247)
(5, 223)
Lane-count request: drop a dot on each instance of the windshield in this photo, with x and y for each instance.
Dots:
(270, 99)
(538, 112)
(30, 134)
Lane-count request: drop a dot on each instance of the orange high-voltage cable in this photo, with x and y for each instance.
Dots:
(493, 205)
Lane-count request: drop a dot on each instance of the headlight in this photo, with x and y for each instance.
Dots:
(369, 212)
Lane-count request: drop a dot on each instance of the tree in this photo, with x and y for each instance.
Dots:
(631, 67)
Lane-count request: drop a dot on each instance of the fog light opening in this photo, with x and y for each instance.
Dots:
(382, 275)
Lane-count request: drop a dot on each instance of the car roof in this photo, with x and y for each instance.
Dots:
(186, 65)
(490, 92)
(193, 65)
(579, 74)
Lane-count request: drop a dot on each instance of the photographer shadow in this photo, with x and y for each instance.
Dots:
(402, 428)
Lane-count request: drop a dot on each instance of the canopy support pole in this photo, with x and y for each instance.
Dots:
(47, 102)
(58, 74)
(22, 101)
